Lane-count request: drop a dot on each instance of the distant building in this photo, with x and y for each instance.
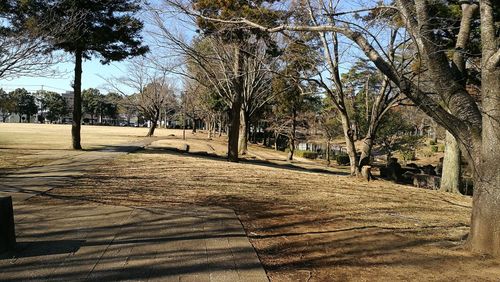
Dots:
(69, 96)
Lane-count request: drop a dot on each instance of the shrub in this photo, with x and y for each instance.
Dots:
(432, 142)
(306, 154)
(434, 148)
(408, 155)
(427, 153)
(342, 159)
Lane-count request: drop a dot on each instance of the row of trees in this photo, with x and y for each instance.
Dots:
(100, 108)
(431, 54)
(48, 106)
(253, 55)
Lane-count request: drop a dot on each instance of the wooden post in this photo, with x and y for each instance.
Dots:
(7, 230)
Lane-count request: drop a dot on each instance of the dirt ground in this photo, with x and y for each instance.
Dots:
(306, 222)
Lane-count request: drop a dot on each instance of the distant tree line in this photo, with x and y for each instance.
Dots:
(52, 107)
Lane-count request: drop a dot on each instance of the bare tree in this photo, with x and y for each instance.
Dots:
(476, 129)
(153, 89)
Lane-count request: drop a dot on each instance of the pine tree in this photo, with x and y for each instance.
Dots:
(93, 28)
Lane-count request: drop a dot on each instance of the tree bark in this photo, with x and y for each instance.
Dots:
(484, 236)
(291, 140)
(77, 105)
(154, 123)
(276, 135)
(349, 139)
(210, 127)
(328, 151)
(366, 151)
(243, 138)
(234, 128)
(194, 126)
(450, 179)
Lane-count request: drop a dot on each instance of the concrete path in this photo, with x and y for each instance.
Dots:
(65, 239)
(28, 182)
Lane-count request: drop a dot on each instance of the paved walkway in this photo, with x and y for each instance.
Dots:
(28, 182)
(61, 239)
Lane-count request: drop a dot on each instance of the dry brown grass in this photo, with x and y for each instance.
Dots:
(304, 225)
(25, 145)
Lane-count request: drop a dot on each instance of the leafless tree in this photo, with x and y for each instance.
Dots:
(237, 73)
(477, 129)
(153, 89)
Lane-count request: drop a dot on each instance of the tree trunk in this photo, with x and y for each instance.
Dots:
(349, 140)
(484, 236)
(194, 126)
(234, 131)
(366, 151)
(291, 141)
(450, 179)
(291, 147)
(485, 222)
(234, 128)
(243, 138)
(154, 122)
(77, 105)
(210, 127)
(328, 151)
(276, 135)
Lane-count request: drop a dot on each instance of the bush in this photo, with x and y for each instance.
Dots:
(342, 159)
(434, 148)
(432, 142)
(408, 155)
(306, 154)
(427, 154)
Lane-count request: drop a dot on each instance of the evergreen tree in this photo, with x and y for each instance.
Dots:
(7, 105)
(93, 28)
(25, 103)
(55, 105)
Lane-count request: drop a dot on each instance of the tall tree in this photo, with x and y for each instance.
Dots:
(476, 129)
(92, 100)
(238, 39)
(7, 105)
(54, 105)
(106, 29)
(451, 175)
(25, 103)
(153, 89)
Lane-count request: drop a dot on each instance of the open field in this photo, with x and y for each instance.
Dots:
(24, 145)
(306, 222)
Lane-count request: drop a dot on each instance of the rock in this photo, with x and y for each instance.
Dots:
(426, 181)
(429, 169)
(185, 148)
(393, 170)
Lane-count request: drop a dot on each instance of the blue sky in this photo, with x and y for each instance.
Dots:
(90, 77)
(93, 70)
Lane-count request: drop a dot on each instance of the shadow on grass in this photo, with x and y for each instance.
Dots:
(211, 156)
